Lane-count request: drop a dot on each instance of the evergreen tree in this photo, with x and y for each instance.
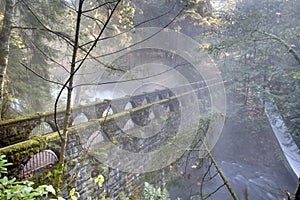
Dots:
(261, 51)
(29, 42)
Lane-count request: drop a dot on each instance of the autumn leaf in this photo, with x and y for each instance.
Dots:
(188, 176)
(180, 173)
(198, 182)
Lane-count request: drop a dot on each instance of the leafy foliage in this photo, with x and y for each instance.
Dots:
(13, 189)
(99, 180)
(73, 194)
(259, 52)
(29, 45)
(152, 193)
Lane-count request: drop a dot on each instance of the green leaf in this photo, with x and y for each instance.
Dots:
(50, 189)
(72, 192)
(73, 198)
(100, 180)
(4, 180)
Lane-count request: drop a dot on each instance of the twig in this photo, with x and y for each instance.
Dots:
(40, 76)
(216, 190)
(147, 38)
(133, 79)
(132, 28)
(57, 33)
(79, 66)
(288, 46)
(99, 6)
(230, 189)
(49, 57)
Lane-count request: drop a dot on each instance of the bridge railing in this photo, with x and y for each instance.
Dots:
(17, 130)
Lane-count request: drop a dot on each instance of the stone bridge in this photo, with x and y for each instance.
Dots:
(17, 130)
(96, 129)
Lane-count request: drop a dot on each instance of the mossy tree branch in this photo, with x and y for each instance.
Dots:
(230, 189)
(285, 44)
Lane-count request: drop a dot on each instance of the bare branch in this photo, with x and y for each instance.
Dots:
(57, 33)
(215, 191)
(96, 59)
(64, 135)
(230, 189)
(144, 22)
(99, 6)
(136, 79)
(96, 20)
(40, 76)
(203, 178)
(25, 28)
(132, 28)
(284, 43)
(143, 40)
(68, 6)
(81, 63)
(48, 57)
(154, 18)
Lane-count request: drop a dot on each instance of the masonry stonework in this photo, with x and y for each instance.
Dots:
(86, 139)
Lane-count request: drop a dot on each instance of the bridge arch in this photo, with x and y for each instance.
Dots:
(43, 160)
(128, 106)
(159, 96)
(146, 100)
(79, 119)
(41, 129)
(108, 111)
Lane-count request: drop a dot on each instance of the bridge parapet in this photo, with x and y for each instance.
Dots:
(17, 130)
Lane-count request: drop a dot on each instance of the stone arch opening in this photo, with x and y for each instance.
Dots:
(145, 101)
(94, 139)
(171, 108)
(159, 97)
(108, 111)
(128, 125)
(39, 163)
(167, 108)
(156, 98)
(41, 129)
(151, 115)
(79, 119)
(139, 117)
(128, 106)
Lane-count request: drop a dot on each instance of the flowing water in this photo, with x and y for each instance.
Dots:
(250, 161)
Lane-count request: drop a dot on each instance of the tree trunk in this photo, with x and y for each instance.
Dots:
(4, 48)
(70, 87)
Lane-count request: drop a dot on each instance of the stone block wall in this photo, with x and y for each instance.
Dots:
(81, 157)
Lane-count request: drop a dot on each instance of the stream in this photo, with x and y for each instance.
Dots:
(251, 161)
